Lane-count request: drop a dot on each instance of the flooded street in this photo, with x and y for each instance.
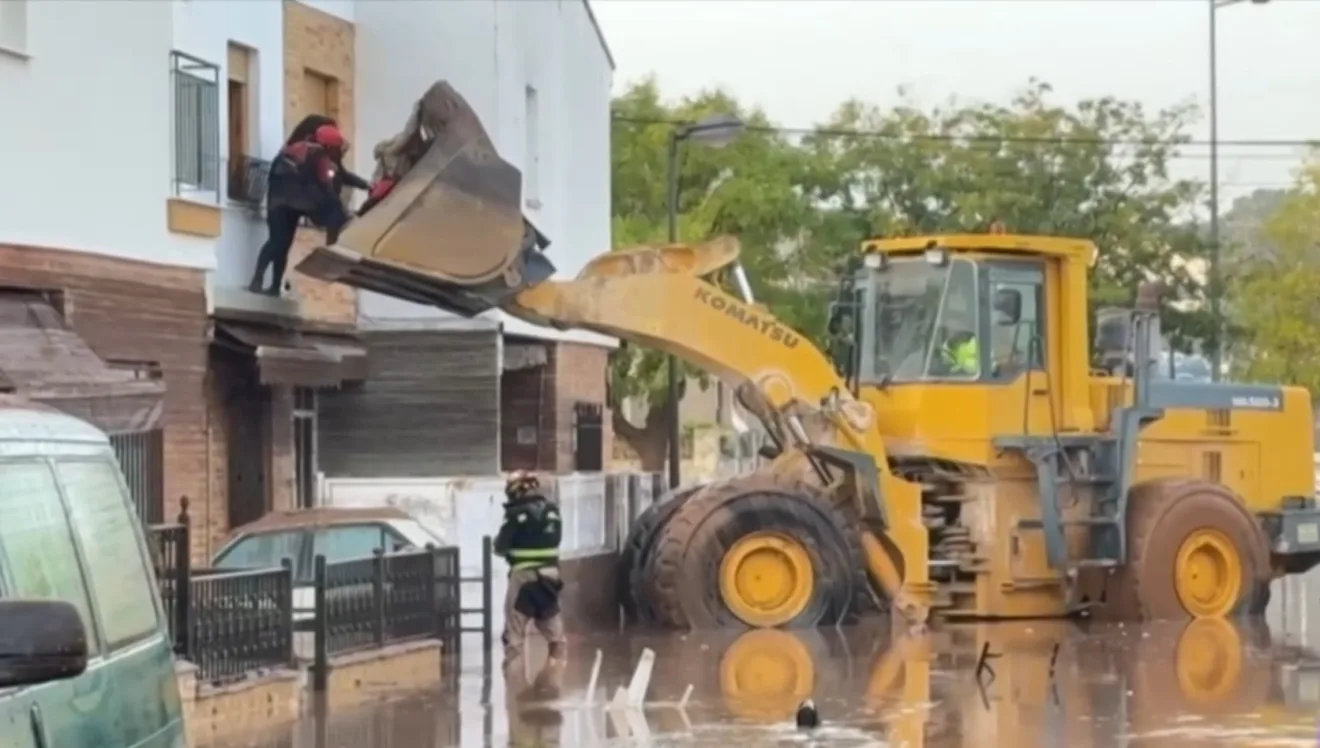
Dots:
(1044, 683)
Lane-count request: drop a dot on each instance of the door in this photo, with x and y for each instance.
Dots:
(247, 408)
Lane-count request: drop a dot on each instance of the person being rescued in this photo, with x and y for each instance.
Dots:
(529, 540)
(305, 181)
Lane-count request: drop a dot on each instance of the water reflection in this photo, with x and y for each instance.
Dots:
(1045, 683)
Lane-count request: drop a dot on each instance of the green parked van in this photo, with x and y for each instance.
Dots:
(85, 658)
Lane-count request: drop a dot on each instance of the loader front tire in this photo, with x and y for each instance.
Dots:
(757, 551)
(1194, 551)
(637, 554)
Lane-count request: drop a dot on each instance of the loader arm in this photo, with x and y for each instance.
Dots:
(660, 297)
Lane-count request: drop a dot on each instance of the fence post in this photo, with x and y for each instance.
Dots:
(378, 596)
(487, 596)
(433, 594)
(321, 625)
(183, 583)
(286, 601)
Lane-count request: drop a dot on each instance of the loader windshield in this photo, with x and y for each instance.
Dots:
(925, 321)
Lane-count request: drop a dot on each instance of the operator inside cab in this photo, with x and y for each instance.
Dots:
(961, 353)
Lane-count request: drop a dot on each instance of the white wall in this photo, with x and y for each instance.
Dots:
(491, 52)
(85, 133)
(204, 30)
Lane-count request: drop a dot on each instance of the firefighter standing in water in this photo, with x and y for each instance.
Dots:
(529, 540)
(304, 182)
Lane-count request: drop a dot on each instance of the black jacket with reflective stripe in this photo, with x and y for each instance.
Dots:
(531, 533)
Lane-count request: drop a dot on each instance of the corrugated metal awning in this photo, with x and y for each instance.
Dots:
(42, 359)
(289, 357)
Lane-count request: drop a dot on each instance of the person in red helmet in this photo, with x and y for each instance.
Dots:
(304, 181)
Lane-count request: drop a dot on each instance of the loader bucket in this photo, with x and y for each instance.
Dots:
(451, 233)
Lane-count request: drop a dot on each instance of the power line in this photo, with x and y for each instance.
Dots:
(846, 133)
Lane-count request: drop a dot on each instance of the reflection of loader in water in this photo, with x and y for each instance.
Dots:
(1015, 493)
(1045, 683)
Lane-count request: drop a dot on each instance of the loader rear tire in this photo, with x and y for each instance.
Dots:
(757, 551)
(1194, 551)
(637, 551)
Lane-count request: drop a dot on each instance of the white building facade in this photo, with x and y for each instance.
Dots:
(135, 138)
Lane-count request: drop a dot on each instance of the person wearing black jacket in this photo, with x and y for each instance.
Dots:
(529, 540)
(305, 180)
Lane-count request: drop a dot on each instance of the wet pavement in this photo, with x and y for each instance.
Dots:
(1044, 683)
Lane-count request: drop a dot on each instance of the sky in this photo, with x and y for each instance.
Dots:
(799, 59)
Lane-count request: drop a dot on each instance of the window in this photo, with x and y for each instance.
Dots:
(108, 532)
(37, 553)
(925, 321)
(532, 156)
(196, 125)
(1015, 309)
(14, 26)
(304, 446)
(320, 94)
(351, 541)
(262, 551)
(588, 444)
(245, 184)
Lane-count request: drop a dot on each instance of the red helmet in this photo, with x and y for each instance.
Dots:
(329, 136)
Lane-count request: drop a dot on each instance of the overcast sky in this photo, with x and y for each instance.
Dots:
(797, 60)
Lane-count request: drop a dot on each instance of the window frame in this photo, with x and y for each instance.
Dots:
(96, 634)
(869, 280)
(109, 648)
(994, 270)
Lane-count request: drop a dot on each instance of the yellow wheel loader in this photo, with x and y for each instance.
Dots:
(963, 450)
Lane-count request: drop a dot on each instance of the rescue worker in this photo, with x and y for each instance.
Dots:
(529, 541)
(304, 181)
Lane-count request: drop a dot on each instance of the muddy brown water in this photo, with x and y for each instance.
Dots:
(1048, 684)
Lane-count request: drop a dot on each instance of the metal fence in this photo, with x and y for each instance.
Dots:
(141, 456)
(384, 599)
(241, 622)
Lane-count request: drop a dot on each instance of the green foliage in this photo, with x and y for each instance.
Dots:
(1275, 295)
(801, 205)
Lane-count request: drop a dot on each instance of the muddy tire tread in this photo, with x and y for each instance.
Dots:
(1149, 503)
(673, 540)
(636, 553)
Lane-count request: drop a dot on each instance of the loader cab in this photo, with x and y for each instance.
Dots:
(965, 338)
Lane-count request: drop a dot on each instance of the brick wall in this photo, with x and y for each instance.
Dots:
(281, 466)
(579, 374)
(138, 311)
(319, 44)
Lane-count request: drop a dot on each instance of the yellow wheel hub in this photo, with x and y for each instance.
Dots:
(1208, 574)
(1208, 660)
(765, 674)
(766, 579)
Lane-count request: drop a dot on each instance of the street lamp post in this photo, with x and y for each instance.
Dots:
(715, 131)
(1216, 274)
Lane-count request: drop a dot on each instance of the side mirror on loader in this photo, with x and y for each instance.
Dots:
(1008, 303)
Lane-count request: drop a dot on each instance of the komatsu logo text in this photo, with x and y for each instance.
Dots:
(758, 322)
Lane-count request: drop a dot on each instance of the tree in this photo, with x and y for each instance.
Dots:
(1277, 307)
(750, 189)
(1098, 170)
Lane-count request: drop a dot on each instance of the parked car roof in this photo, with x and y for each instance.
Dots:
(321, 517)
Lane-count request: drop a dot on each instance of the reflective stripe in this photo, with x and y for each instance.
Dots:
(532, 553)
(532, 564)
